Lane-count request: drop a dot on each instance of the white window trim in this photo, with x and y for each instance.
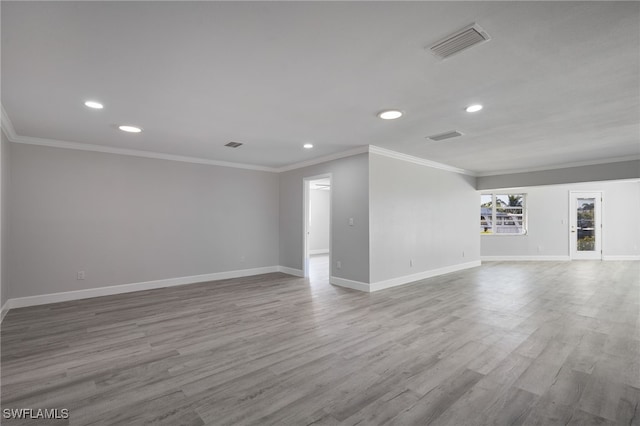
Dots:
(525, 213)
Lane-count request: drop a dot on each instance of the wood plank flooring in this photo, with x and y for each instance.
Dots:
(504, 344)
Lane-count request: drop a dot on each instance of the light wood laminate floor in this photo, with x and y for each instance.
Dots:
(534, 343)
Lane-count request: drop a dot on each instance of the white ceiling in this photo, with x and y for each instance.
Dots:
(560, 81)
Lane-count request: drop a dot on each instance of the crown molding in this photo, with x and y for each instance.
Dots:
(417, 160)
(9, 131)
(380, 151)
(560, 166)
(170, 157)
(336, 156)
(134, 153)
(7, 126)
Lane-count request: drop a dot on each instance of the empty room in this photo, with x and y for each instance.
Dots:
(320, 213)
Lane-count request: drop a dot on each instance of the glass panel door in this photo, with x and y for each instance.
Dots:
(586, 225)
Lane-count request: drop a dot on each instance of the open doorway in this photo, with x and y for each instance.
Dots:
(317, 232)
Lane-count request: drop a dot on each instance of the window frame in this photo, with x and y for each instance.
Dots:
(525, 215)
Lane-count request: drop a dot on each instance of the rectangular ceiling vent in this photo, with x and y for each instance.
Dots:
(233, 144)
(461, 40)
(446, 135)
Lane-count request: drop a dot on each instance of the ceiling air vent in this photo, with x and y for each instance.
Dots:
(233, 144)
(446, 135)
(463, 39)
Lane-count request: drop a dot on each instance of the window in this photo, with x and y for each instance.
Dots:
(503, 214)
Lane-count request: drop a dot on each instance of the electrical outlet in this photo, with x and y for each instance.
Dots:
(350, 221)
(338, 264)
(81, 275)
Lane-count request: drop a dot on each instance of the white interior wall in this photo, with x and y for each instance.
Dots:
(548, 222)
(4, 180)
(423, 221)
(124, 219)
(350, 199)
(128, 220)
(568, 175)
(319, 214)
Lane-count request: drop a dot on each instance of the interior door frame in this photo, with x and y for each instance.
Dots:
(573, 252)
(306, 183)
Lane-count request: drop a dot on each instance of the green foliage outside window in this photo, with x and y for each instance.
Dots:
(587, 243)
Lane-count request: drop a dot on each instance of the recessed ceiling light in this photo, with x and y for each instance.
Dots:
(473, 108)
(307, 145)
(130, 129)
(94, 104)
(390, 114)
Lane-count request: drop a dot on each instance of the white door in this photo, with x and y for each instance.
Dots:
(585, 232)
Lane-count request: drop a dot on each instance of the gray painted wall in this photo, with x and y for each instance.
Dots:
(548, 216)
(319, 219)
(420, 213)
(350, 198)
(4, 180)
(597, 172)
(125, 219)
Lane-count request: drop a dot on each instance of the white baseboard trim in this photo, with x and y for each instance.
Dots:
(291, 271)
(355, 285)
(394, 282)
(5, 309)
(621, 257)
(525, 258)
(319, 251)
(21, 302)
